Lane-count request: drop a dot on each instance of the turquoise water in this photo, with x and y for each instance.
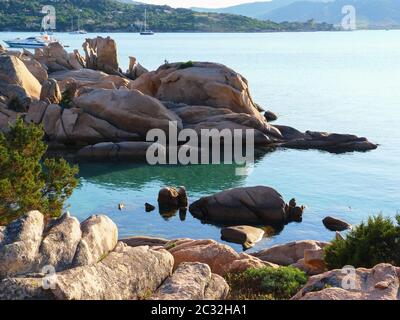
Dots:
(345, 82)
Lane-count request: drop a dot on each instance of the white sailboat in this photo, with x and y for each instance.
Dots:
(79, 30)
(146, 32)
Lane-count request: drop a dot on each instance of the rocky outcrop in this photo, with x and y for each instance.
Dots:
(100, 104)
(306, 255)
(200, 83)
(332, 142)
(204, 117)
(56, 58)
(221, 258)
(172, 198)
(59, 244)
(74, 126)
(86, 79)
(334, 224)
(251, 205)
(71, 261)
(99, 237)
(20, 245)
(244, 235)
(135, 69)
(145, 241)
(101, 54)
(28, 246)
(131, 111)
(193, 281)
(17, 83)
(125, 274)
(270, 116)
(50, 92)
(38, 70)
(378, 283)
(123, 151)
(288, 253)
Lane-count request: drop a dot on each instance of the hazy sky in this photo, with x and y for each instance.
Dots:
(199, 3)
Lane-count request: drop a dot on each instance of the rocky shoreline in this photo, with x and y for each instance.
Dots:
(63, 259)
(93, 111)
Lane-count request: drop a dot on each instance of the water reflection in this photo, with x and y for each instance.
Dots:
(196, 178)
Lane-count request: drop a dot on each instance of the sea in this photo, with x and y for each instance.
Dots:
(343, 82)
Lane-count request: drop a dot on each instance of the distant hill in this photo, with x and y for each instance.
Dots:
(112, 15)
(256, 10)
(370, 13)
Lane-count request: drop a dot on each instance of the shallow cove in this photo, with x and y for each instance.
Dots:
(344, 82)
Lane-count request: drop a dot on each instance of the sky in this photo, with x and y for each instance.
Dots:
(199, 3)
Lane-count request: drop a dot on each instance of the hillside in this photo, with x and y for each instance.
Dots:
(370, 13)
(109, 15)
(256, 10)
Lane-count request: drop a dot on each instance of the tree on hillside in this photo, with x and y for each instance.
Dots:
(27, 182)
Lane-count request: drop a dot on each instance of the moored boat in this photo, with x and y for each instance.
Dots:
(31, 42)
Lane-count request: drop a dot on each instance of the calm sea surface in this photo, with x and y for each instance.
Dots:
(338, 82)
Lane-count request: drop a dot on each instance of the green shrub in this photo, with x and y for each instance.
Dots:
(26, 181)
(186, 65)
(266, 283)
(367, 245)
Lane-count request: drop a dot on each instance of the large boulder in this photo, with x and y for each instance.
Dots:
(139, 241)
(221, 258)
(249, 205)
(125, 274)
(73, 126)
(193, 281)
(59, 244)
(332, 142)
(245, 235)
(288, 253)
(99, 237)
(131, 111)
(38, 70)
(50, 92)
(135, 69)
(334, 224)
(17, 82)
(20, 244)
(378, 283)
(123, 151)
(101, 54)
(56, 58)
(84, 79)
(172, 198)
(200, 83)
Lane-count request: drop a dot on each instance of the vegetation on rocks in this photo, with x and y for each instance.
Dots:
(368, 244)
(109, 15)
(27, 182)
(266, 283)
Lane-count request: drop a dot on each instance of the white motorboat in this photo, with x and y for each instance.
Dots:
(31, 42)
